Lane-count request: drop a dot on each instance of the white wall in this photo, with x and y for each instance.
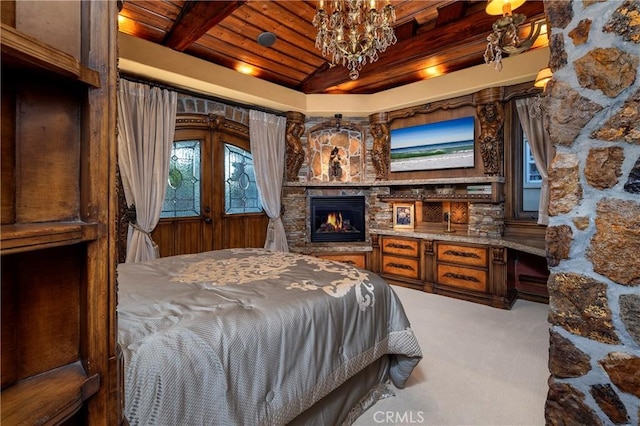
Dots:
(145, 59)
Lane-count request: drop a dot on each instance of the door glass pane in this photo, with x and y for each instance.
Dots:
(182, 198)
(240, 189)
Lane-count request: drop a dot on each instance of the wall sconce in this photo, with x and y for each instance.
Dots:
(504, 38)
(542, 78)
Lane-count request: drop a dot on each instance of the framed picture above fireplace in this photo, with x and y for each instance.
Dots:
(403, 215)
(443, 145)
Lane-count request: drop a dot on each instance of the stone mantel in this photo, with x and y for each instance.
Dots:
(524, 244)
(398, 182)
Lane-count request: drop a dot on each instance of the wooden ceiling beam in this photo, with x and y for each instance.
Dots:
(424, 44)
(196, 18)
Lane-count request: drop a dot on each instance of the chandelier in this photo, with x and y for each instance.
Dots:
(352, 32)
(504, 38)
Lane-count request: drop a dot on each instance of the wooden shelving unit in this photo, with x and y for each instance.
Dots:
(34, 236)
(59, 351)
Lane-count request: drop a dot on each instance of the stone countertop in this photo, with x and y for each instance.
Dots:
(530, 245)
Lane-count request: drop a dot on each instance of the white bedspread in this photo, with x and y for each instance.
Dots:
(249, 336)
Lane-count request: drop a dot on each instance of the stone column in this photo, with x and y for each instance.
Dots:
(593, 110)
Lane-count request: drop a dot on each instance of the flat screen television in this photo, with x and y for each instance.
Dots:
(443, 145)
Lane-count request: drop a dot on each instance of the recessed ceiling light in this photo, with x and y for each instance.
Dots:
(267, 39)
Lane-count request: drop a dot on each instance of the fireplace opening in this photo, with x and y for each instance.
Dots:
(335, 219)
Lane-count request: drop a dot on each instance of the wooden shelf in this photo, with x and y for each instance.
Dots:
(48, 398)
(34, 236)
(399, 197)
(22, 50)
(398, 182)
(485, 198)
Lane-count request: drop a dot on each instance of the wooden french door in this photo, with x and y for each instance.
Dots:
(203, 224)
(192, 232)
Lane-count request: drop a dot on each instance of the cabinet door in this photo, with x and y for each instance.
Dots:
(462, 255)
(402, 266)
(458, 276)
(358, 260)
(400, 246)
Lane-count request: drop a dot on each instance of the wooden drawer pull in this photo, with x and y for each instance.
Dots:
(400, 266)
(462, 253)
(461, 277)
(400, 246)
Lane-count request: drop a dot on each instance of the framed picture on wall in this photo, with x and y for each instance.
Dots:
(443, 145)
(403, 215)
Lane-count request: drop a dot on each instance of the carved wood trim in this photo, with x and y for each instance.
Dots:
(295, 150)
(122, 220)
(381, 151)
(444, 105)
(212, 121)
(338, 124)
(428, 246)
(498, 255)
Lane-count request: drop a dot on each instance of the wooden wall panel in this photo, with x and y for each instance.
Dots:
(42, 195)
(164, 237)
(8, 153)
(48, 327)
(244, 231)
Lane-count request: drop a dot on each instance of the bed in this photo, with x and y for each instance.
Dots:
(255, 337)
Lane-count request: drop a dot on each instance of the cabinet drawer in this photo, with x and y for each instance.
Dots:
(400, 246)
(357, 260)
(458, 276)
(462, 255)
(400, 266)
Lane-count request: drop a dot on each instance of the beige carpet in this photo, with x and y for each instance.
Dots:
(481, 365)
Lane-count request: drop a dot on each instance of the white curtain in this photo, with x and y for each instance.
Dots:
(531, 118)
(267, 139)
(146, 126)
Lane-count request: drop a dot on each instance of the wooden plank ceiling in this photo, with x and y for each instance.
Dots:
(434, 38)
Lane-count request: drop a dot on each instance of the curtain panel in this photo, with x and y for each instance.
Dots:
(146, 126)
(531, 118)
(267, 140)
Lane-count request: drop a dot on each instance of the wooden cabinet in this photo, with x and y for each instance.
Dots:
(462, 266)
(358, 260)
(59, 353)
(473, 272)
(400, 261)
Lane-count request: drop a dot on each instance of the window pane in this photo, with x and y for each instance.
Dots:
(532, 176)
(240, 189)
(531, 179)
(182, 198)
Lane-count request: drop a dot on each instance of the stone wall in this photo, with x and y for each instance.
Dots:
(195, 105)
(593, 238)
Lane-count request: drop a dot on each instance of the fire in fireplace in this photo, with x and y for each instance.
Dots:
(335, 219)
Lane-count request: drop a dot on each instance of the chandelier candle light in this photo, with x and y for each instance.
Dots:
(504, 38)
(352, 32)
